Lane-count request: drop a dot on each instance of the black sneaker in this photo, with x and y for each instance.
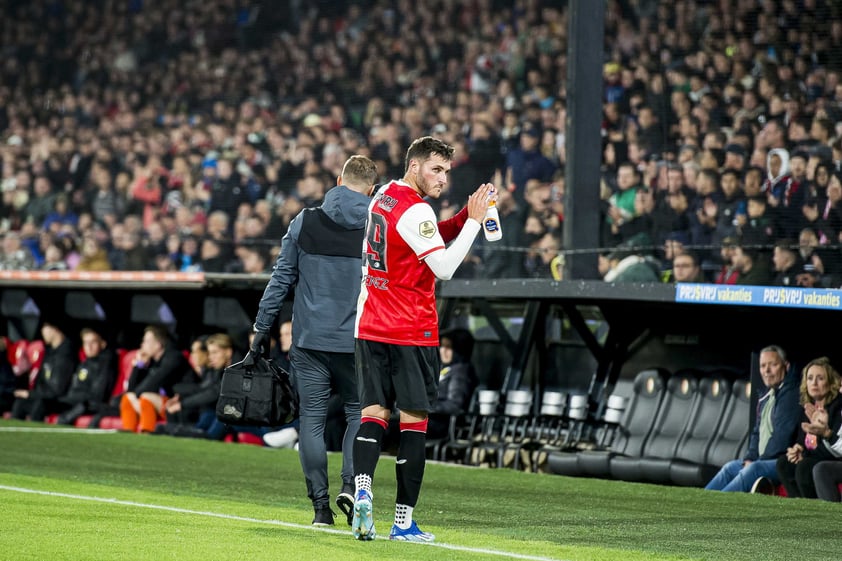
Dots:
(324, 516)
(345, 501)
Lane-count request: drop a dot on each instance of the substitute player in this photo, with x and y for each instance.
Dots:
(397, 324)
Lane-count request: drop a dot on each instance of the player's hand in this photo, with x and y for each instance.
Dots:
(478, 201)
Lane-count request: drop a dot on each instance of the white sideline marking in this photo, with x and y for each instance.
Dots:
(467, 549)
(66, 431)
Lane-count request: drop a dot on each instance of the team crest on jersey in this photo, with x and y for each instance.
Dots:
(427, 229)
(83, 374)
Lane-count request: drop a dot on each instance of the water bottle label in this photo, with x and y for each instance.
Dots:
(491, 225)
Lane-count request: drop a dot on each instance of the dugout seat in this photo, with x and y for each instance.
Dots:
(671, 422)
(714, 393)
(727, 444)
(647, 393)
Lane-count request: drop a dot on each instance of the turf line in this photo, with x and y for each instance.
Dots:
(65, 431)
(223, 516)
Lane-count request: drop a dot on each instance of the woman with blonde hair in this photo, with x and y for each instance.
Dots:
(822, 417)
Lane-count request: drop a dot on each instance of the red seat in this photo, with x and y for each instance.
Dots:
(124, 370)
(249, 438)
(11, 347)
(35, 355)
(19, 358)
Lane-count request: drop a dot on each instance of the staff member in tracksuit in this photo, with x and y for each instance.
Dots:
(320, 258)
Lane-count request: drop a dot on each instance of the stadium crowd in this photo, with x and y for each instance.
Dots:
(184, 136)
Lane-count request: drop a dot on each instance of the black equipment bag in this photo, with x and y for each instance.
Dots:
(256, 394)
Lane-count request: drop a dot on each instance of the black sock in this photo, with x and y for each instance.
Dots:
(367, 448)
(409, 467)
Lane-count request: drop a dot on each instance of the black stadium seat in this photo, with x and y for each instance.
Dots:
(660, 444)
(640, 413)
(728, 442)
(714, 392)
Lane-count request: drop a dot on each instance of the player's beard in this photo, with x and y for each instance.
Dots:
(426, 188)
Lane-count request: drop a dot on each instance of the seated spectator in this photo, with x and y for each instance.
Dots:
(757, 227)
(192, 410)
(686, 268)
(53, 378)
(774, 428)
(728, 273)
(789, 267)
(15, 257)
(822, 418)
(753, 267)
(60, 216)
(630, 263)
(158, 367)
(93, 380)
(673, 245)
(457, 380)
(94, 256)
(54, 257)
(538, 261)
(783, 192)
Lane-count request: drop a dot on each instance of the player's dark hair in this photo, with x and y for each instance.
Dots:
(423, 148)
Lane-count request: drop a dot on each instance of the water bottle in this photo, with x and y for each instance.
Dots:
(491, 223)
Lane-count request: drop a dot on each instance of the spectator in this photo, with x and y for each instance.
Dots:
(54, 258)
(758, 226)
(783, 192)
(621, 203)
(526, 162)
(42, 201)
(158, 367)
(53, 378)
(821, 419)
(457, 380)
(94, 257)
(728, 273)
(686, 268)
(15, 256)
(787, 264)
(60, 216)
(753, 266)
(774, 428)
(628, 263)
(92, 382)
(192, 410)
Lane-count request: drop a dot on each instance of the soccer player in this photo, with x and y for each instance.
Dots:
(397, 324)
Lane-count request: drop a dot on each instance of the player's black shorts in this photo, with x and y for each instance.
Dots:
(405, 377)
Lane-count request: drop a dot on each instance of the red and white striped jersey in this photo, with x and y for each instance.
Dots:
(397, 303)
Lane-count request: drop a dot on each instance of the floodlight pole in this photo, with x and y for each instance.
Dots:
(585, 57)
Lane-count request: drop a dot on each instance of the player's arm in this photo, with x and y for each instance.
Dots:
(451, 227)
(442, 261)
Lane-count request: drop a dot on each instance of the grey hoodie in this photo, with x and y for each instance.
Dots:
(321, 258)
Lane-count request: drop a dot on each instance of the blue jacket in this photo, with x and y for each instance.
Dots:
(785, 420)
(321, 257)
